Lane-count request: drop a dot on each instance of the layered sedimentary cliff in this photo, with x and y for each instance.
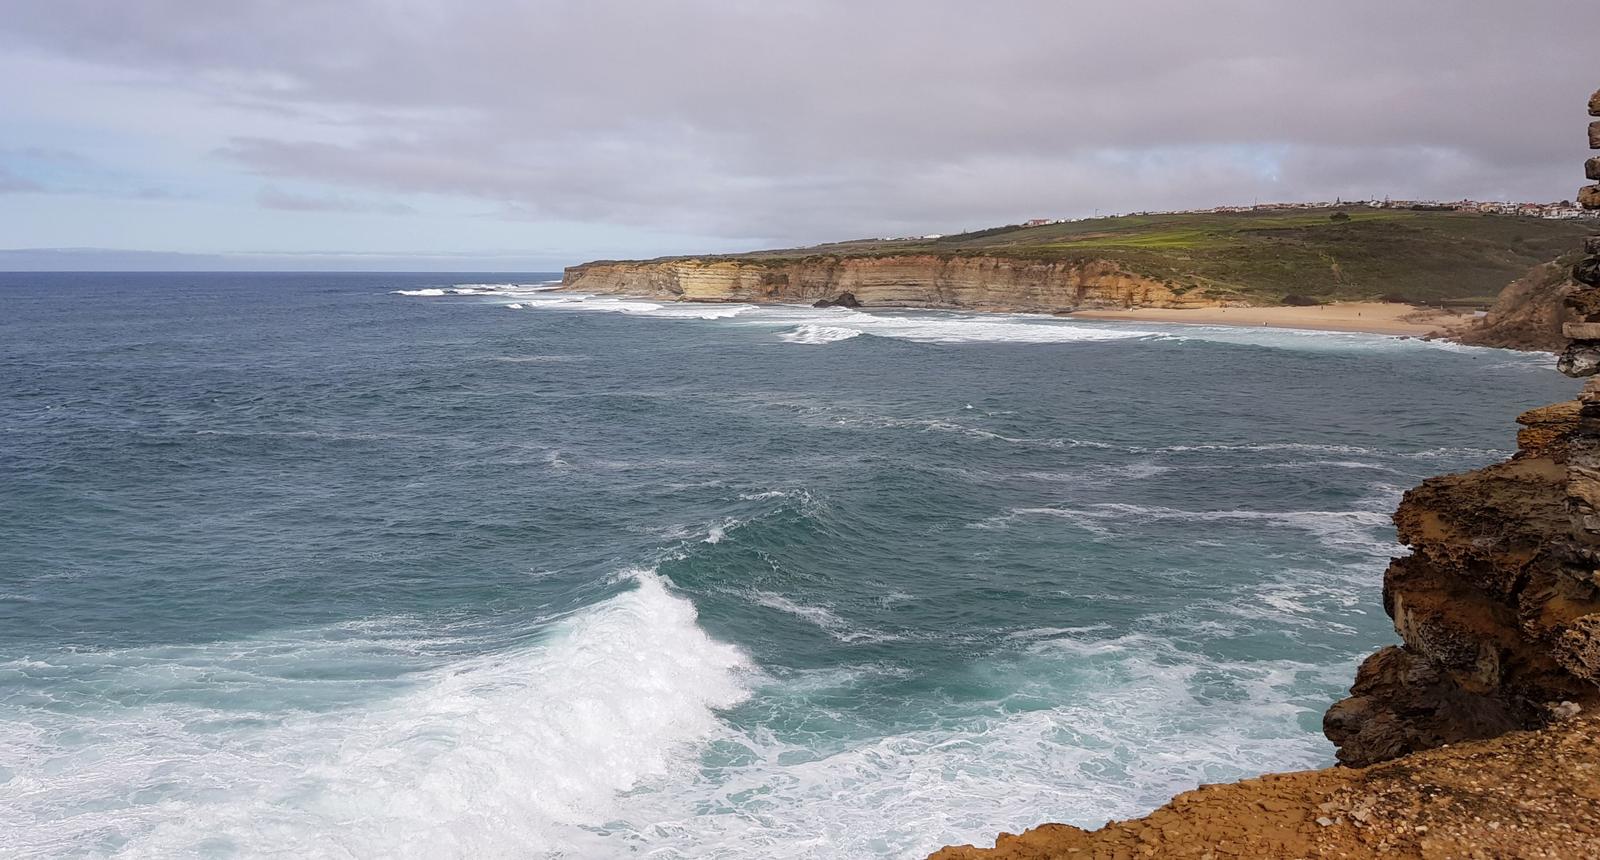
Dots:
(1476, 736)
(924, 280)
(1497, 607)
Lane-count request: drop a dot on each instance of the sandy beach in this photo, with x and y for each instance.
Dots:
(1371, 317)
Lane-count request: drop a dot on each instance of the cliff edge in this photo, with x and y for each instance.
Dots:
(1348, 252)
(1523, 795)
(910, 281)
(1475, 737)
(1497, 608)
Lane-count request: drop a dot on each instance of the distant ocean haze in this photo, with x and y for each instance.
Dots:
(458, 565)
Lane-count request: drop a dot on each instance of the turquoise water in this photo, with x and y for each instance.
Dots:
(380, 565)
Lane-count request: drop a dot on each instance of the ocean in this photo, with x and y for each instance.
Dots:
(377, 565)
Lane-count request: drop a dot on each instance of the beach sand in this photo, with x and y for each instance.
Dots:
(1372, 317)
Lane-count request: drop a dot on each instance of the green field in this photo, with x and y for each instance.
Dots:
(1263, 256)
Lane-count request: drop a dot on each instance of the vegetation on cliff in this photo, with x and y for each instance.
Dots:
(1260, 257)
(1498, 611)
(1528, 314)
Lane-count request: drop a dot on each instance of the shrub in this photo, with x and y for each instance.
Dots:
(1295, 300)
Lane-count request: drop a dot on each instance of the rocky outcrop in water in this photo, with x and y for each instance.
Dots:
(844, 300)
(915, 281)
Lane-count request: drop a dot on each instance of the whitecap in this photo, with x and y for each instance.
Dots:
(809, 333)
(515, 752)
(1343, 530)
(635, 307)
(808, 325)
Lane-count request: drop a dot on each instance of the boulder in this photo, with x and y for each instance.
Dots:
(843, 300)
(1589, 196)
(1401, 703)
(1580, 359)
(1594, 104)
(1587, 271)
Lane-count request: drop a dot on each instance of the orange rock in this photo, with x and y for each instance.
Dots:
(1524, 794)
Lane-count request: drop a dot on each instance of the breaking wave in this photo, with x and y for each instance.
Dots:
(517, 751)
(811, 333)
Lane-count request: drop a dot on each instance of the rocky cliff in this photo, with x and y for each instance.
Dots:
(1497, 609)
(1485, 712)
(921, 281)
(1528, 314)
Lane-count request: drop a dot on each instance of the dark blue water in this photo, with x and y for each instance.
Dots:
(336, 565)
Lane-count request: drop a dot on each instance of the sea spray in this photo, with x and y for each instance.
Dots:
(520, 748)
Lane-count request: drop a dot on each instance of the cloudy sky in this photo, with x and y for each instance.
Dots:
(520, 135)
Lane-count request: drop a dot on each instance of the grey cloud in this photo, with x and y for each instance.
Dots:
(799, 122)
(272, 197)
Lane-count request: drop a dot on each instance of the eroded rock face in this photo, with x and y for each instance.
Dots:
(1528, 314)
(928, 281)
(1498, 609)
(1497, 606)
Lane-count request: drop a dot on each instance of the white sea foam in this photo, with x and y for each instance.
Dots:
(580, 302)
(811, 333)
(763, 495)
(815, 326)
(717, 533)
(1132, 721)
(1353, 531)
(536, 286)
(507, 754)
(604, 739)
(822, 617)
(818, 326)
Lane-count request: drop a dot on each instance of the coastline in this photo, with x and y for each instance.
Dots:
(1360, 317)
(1382, 318)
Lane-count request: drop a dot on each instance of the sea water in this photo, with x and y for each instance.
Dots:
(447, 566)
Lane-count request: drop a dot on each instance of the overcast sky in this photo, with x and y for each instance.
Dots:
(497, 134)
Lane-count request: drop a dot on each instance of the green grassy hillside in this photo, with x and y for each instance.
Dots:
(1263, 256)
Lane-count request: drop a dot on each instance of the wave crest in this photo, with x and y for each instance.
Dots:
(525, 748)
